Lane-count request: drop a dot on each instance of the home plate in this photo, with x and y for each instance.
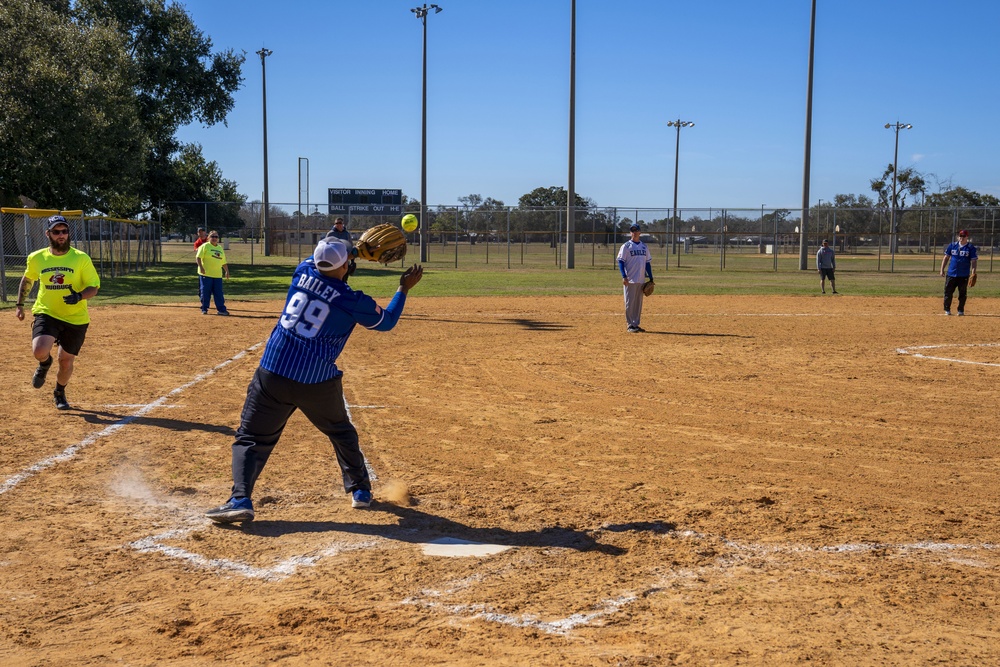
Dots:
(452, 546)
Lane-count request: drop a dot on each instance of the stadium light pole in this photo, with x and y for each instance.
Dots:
(677, 160)
(897, 126)
(571, 179)
(807, 159)
(421, 13)
(264, 53)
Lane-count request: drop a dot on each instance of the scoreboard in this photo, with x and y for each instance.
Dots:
(363, 201)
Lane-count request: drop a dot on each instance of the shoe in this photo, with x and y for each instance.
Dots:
(947, 312)
(824, 291)
(235, 509)
(961, 314)
(204, 312)
(361, 498)
(640, 330)
(38, 379)
(633, 329)
(222, 312)
(836, 292)
(60, 398)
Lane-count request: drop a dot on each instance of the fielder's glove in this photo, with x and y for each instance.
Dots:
(382, 243)
(972, 280)
(73, 297)
(647, 287)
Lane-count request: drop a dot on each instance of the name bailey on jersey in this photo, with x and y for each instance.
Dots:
(316, 286)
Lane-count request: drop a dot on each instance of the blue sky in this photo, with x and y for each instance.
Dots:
(344, 91)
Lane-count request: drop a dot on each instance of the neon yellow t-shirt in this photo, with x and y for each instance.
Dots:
(213, 258)
(55, 275)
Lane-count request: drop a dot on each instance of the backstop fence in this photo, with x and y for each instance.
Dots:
(117, 247)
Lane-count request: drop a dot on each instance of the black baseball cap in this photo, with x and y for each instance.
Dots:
(56, 220)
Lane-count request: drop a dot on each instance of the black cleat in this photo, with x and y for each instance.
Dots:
(61, 402)
(38, 379)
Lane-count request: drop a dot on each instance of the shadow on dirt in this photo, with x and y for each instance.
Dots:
(419, 528)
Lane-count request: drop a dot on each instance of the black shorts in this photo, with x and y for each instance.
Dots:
(826, 273)
(69, 336)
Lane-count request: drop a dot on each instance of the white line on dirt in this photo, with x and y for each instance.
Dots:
(283, 570)
(71, 451)
(920, 355)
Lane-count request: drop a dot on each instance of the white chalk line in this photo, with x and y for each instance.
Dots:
(921, 355)
(282, 570)
(71, 451)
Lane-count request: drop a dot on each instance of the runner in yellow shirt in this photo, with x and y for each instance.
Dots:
(212, 267)
(67, 278)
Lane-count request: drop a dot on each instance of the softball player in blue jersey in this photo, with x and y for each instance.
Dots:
(298, 370)
(633, 263)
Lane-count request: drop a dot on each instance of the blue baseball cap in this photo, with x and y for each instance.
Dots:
(635, 228)
(56, 220)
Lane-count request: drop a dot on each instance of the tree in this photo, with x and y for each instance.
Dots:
(957, 197)
(908, 181)
(550, 197)
(133, 72)
(69, 122)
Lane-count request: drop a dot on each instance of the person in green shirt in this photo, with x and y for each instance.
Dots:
(212, 267)
(66, 279)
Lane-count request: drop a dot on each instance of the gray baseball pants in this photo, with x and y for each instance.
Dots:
(633, 303)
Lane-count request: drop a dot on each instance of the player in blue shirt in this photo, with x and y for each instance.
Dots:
(961, 258)
(298, 370)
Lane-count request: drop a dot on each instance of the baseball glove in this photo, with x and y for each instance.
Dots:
(972, 280)
(647, 287)
(382, 243)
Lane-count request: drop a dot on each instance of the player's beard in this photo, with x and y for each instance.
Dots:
(59, 246)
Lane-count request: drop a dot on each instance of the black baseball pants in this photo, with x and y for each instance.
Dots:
(271, 400)
(950, 284)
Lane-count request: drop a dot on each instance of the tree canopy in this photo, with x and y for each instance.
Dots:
(91, 98)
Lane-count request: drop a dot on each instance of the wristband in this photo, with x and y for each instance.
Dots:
(20, 305)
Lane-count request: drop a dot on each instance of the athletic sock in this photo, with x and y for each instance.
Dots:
(46, 364)
(60, 388)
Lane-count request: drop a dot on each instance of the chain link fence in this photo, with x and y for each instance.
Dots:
(117, 247)
(731, 239)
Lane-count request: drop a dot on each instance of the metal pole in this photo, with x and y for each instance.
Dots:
(264, 53)
(571, 194)
(892, 215)
(803, 246)
(677, 162)
(421, 13)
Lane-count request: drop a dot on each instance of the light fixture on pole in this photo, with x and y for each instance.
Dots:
(896, 127)
(421, 13)
(264, 53)
(677, 159)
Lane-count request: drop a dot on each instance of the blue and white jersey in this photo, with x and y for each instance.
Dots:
(320, 314)
(960, 265)
(634, 257)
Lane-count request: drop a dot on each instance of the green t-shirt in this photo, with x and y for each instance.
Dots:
(55, 275)
(213, 258)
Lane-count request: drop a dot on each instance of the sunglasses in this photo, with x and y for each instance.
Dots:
(213, 237)
(58, 232)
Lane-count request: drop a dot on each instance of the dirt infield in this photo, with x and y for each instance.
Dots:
(753, 481)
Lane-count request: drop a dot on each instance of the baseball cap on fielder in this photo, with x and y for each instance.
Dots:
(635, 228)
(330, 253)
(963, 233)
(56, 220)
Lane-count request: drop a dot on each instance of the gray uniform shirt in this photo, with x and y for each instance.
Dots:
(825, 259)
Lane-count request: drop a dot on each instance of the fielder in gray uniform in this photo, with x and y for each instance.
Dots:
(633, 262)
